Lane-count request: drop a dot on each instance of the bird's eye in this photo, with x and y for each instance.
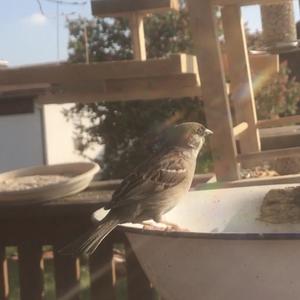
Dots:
(199, 131)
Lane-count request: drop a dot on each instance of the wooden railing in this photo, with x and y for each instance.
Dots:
(284, 121)
(56, 223)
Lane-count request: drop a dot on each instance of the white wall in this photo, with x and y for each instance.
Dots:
(21, 143)
(59, 136)
(45, 137)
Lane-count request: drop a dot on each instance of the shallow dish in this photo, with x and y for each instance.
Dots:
(75, 178)
(228, 252)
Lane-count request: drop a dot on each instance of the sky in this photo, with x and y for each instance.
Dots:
(29, 37)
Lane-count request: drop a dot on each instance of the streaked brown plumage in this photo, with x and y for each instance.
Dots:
(153, 188)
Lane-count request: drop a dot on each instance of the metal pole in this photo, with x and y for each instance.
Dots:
(57, 30)
(86, 43)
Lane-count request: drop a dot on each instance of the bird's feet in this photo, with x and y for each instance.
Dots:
(162, 226)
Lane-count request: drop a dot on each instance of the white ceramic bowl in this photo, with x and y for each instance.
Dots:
(79, 177)
(228, 253)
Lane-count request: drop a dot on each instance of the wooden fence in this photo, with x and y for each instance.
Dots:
(57, 223)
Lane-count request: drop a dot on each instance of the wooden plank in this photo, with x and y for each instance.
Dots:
(101, 271)
(104, 8)
(90, 96)
(278, 122)
(159, 83)
(176, 86)
(189, 64)
(138, 36)
(139, 286)
(175, 64)
(68, 73)
(67, 272)
(31, 271)
(276, 132)
(253, 158)
(244, 2)
(213, 88)
(4, 287)
(26, 88)
(240, 129)
(240, 78)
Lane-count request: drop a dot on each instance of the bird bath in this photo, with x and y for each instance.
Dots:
(226, 254)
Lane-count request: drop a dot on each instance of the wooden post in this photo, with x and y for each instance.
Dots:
(100, 264)
(31, 272)
(86, 42)
(67, 272)
(240, 77)
(213, 87)
(138, 36)
(240, 129)
(4, 288)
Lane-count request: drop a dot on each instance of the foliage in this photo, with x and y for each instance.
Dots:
(254, 39)
(279, 97)
(126, 128)
(167, 34)
(108, 39)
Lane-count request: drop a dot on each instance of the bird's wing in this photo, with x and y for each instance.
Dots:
(155, 175)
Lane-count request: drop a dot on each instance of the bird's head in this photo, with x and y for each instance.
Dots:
(190, 135)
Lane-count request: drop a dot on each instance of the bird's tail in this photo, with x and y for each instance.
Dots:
(88, 242)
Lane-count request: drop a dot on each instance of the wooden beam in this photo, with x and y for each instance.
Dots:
(213, 88)
(67, 272)
(30, 79)
(278, 132)
(278, 122)
(244, 2)
(125, 90)
(172, 77)
(100, 265)
(137, 36)
(142, 84)
(4, 286)
(23, 88)
(189, 65)
(108, 8)
(240, 77)
(80, 96)
(92, 96)
(267, 155)
(68, 73)
(240, 129)
(31, 272)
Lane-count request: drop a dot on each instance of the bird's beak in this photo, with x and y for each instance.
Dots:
(207, 132)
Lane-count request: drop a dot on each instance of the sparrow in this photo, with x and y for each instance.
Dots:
(153, 188)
